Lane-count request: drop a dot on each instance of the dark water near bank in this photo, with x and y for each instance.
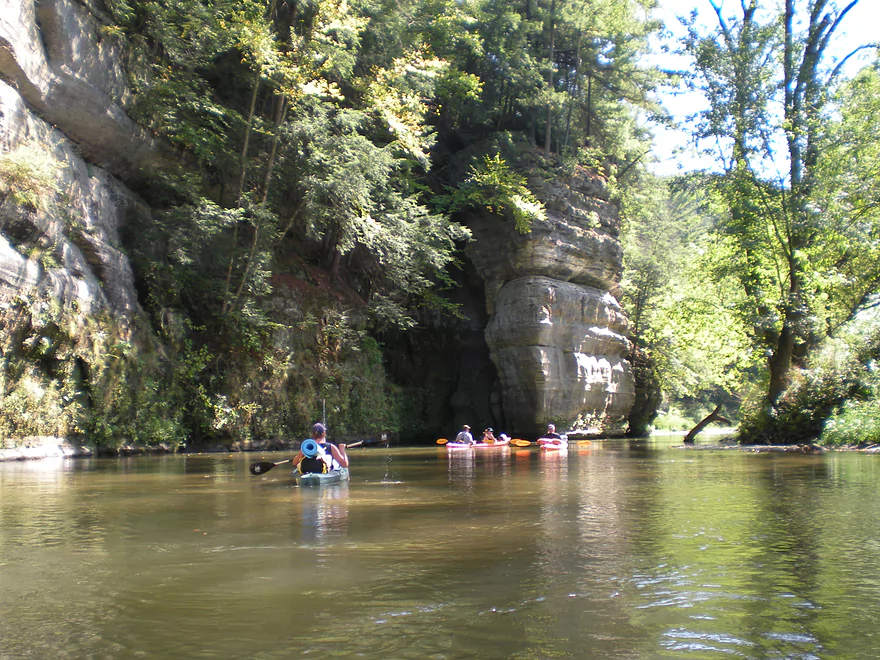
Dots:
(625, 550)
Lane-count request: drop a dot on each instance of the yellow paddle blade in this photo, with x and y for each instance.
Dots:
(442, 441)
(520, 442)
(585, 443)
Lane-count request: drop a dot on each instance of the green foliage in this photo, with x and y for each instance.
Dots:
(803, 266)
(493, 185)
(856, 422)
(29, 176)
(65, 375)
(687, 324)
(673, 420)
(825, 397)
(358, 199)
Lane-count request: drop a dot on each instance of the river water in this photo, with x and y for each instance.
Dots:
(627, 549)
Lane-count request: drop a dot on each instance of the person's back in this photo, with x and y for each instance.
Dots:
(464, 436)
(313, 465)
(551, 433)
(317, 454)
(317, 458)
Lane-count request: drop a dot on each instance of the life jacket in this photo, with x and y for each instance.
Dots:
(321, 463)
(313, 465)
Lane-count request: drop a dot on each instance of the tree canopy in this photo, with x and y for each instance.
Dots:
(790, 218)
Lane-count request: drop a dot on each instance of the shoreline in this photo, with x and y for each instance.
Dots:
(48, 447)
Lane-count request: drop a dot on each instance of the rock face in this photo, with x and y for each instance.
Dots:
(53, 53)
(65, 101)
(556, 334)
(68, 301)
(551, 326)
(67, 242)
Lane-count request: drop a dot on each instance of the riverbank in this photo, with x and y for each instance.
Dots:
(802, 449)
(44, 446)
(38, 447)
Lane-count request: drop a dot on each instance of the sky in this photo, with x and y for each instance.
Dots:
(672, 151)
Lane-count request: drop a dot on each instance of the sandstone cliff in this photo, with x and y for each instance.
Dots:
(71, 323)
(556, 334)
(67, 290)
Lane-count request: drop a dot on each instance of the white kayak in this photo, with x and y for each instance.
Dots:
(553, 443)
(498, 444)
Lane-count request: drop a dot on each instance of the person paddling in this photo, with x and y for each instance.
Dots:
(328, 457)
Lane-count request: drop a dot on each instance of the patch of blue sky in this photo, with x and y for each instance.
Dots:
(674, 150)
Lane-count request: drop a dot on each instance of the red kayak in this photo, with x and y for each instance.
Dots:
(498, 444)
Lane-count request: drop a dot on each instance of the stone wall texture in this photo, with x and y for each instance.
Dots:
(556, 334)
(53, 53)
(62, 96)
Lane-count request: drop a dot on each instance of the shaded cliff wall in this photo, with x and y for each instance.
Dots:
(70, 321)
(556, 334)
(444, 367)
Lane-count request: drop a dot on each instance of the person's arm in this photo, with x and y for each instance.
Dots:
(298, 458)
(338, 452)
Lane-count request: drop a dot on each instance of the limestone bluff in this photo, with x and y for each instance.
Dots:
(556, 333)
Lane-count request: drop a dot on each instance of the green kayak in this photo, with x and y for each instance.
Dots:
(321, 478)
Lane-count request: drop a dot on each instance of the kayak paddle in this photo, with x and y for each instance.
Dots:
(442, 441)
(264, 466)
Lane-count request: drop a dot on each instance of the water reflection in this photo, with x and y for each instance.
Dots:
(625, 550)
(323, 514)
(462, 467)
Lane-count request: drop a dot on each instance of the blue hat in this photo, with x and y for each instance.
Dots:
(309, 448)
(319, 429)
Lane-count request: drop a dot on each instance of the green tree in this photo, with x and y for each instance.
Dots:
(685, 324)
(766, 75)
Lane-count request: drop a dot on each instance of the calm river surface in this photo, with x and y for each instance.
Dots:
(625, 550)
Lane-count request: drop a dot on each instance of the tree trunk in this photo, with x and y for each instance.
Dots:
(589, 108)
(547, 132)
(242, 166)
(711, 417)
(280, 114)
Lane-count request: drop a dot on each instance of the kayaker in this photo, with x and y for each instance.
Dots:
(332, 456)
(551, 433)
(464, 436)
(489, 436)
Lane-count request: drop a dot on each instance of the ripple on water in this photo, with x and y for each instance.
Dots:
(682, 640)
